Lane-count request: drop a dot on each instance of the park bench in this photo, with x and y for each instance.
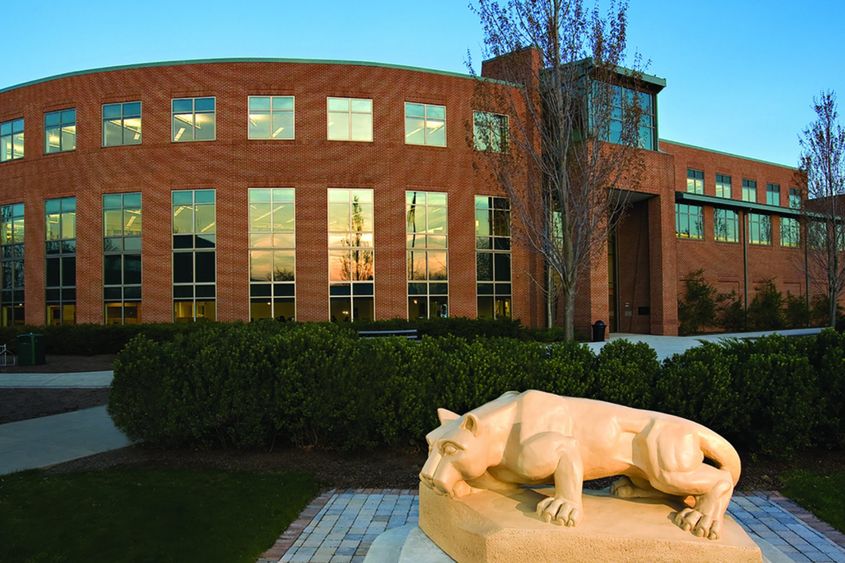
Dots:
(410, 334)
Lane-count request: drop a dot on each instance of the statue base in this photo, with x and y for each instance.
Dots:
(496, 526)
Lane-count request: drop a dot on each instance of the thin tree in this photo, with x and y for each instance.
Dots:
(557, 168)
(822, 167)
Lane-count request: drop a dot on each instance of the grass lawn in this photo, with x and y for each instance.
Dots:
(147, 515)
(819, 493)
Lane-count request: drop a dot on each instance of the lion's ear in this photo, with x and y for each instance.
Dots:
(445, 415)
(471, 424)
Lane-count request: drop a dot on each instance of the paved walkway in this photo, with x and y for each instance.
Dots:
(83, 379)
(48, 440)
(667, 346)
(341, 526)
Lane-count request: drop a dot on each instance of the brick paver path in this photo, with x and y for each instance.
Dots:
(340, 526)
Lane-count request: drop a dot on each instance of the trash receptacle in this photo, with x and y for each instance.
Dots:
(30, 349)
(598, 331)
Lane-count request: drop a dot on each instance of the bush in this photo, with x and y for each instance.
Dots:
(765, 312)
(731, 312)
(698, 308)
(625, 373)
(797, 312)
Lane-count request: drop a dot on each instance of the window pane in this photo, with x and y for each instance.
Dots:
(260, 265)
(132, 222)
(361, 128)
(204, 104)
(436, 133)
(183, 219)
(339, 104)
(259, 103)
(338, 127)
(69, 271)
(259, 125)
(132, 269)
(416, 265)
(282, 125)
(204, 127)
(414, 133)
(360, 105)
(259, 217)
(484, 266)
(437, 265)
(283, 219)
(112, 270)
(205, 219)
(205, 267)
(284, 265)
(183, 267)
(69, 225)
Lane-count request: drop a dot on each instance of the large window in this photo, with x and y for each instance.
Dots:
(689, 221)
(194, 255)
(725, 225)
(61, 260)
(794, 198)
(351, 255)
(271, 117)
(60, 131)
(122, 124)
(695, 181)
(11, 264)
(426, 233)
(773, 194)
(349, 119)
(122, 225)
(425, 124)
(623, 100)
(493, 257)
(723, 186)
(272, 254)
(11, 140)
(490, 131)
(749, 190)
(193, 119)
(759, 229)
(790, 232)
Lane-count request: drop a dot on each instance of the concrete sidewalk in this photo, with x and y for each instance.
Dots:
(38, 442)
(83, 379)
(667, 346)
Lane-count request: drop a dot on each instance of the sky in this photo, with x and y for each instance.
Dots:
(741, 75)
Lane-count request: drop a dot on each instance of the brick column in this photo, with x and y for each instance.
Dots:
(663, 265)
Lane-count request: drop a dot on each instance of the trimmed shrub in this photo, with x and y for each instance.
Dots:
(765, 312)
(697, 310)
(625, 373)
(796, 311)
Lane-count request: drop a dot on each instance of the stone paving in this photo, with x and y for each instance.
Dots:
(340, 526)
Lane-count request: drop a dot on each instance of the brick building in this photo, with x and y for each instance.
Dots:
(317, 190)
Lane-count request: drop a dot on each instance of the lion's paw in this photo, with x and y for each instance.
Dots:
(559, 511)
(700, 524)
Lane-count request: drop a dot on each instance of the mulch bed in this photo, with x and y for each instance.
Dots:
(66, 364)
(21, 404)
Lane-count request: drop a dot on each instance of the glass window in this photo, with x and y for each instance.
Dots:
(773, 194)
(723, 186)
(425, 124)
(193, 119)
(61, 260)
(622, 101)
(493, 257)
(60, 131)
(11, 140)
(272, 254)
(426, 233)
(689, 221)
(759, 229)
(749, 190)
(790, 232)
(695, 181)
(194, 214)
(349, 119)
(725, 225)
(271, 117)
(794, 198)
(122, 124)
(11, 264)
(122, 225)
(351, 255)
(490, 131)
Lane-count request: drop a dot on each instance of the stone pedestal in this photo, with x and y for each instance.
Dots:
(492, 526)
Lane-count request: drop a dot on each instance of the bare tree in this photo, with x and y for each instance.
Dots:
(558, 168)
(822, 167)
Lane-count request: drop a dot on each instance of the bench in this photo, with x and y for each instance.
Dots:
(410, 334)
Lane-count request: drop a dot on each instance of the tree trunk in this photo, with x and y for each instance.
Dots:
(569, 314)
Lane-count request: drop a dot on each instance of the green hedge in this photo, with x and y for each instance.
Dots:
(252, 386)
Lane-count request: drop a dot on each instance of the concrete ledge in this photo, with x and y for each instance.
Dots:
(491, 526)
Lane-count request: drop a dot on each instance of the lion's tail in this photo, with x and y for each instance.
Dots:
(720, 451)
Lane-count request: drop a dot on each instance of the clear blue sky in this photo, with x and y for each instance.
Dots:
(741, 74)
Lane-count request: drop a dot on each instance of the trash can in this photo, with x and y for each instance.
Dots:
(598, 331)
(30, 349)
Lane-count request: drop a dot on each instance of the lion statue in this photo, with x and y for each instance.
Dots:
(536, 438)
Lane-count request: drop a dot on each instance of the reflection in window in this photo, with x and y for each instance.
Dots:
(61, 260)
(794, 198)
(695, 181)
(349, 119)
(790, 232)
(749, 190)
(425, 124)
(426, 236)
(723, 186)
(193, 119)
(194, 255)
(689, 221)
(11, 140)
(351, 255)
(490, 131)
(11, 265)
(122, 223)
(725, 225)
(271, 117)
(60, 131)
(493, 257)
(773, 194)
(122, 124)
(759, 229)
(623, 100)
(272, 254)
